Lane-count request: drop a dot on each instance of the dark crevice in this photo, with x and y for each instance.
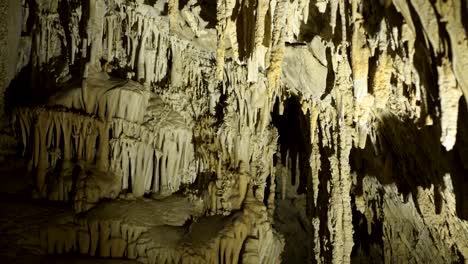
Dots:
(464, 15)
(317, 25)
(208, 12)
(294, 138)
(458, 167)
(362, 239)
(321, 208)
(374, 14)
(151, 2)
(330, 82)
(267, 190)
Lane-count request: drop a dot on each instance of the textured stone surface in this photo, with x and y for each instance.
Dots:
(340, 120)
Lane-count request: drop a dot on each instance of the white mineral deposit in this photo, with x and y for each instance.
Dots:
(233, 131)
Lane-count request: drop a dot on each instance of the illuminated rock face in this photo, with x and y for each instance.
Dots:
(217, 131)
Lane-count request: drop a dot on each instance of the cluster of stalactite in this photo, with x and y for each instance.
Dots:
(240, 150)
(380, 68)
(151, 159)
(203, 107)
(118, 35)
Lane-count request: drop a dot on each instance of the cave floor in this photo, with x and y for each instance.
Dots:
(21, 219)
(20, 223)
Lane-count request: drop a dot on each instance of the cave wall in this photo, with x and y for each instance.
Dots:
(10, 31)
(10, 24)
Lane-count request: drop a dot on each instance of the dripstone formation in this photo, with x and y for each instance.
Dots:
(235, 131)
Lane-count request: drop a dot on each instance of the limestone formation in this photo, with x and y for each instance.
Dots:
(228, 131)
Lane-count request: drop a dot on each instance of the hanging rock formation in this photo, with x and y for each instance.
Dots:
(255, 131)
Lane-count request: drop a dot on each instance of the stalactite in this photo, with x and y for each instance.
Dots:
(141, 55)
(103, 147)
(221, 11)
(173, 9)
(177, 65)
(334, 4)
(450, 12)
(277, 46)
(257, 58)
(427, 16)
(449, 94)
(40, 149)
(363, 117)
(381, 81)
(314, 160)
(138, 180)
(130, 158)
(150, 59)
(359, 54)
(148, 169)
(109, 31)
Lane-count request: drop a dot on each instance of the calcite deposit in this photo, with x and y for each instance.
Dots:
(229, 131)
